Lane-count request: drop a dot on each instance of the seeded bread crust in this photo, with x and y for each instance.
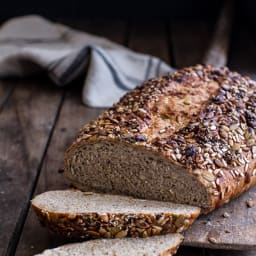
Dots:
(201, 119)
(130, 223)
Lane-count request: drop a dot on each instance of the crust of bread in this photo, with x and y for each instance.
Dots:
(86, 225)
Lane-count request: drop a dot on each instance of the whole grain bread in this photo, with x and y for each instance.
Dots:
(77, 214)
(166, 245)
(188, 137)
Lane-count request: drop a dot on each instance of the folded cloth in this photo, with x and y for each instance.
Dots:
(32, 44)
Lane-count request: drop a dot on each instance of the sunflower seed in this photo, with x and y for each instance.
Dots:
(218, 163)
(121, 234)
(208, 176)
(156, 230)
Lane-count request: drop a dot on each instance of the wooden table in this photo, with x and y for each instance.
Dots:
(38, 122)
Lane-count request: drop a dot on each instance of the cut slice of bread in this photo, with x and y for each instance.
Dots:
(166, 245)
(73, 213)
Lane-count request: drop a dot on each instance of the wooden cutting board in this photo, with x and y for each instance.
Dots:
(235, 231)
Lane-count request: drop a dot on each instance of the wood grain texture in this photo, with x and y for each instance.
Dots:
(6, 89)
(238, 231)
(26, 123)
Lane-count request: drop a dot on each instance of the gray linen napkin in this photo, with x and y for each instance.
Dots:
(32, 44)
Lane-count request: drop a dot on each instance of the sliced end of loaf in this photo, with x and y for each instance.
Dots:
(112, 166)
(73, 213)
(197, 121)
(154, 246)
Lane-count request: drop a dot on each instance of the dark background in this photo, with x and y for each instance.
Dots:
(180, 9)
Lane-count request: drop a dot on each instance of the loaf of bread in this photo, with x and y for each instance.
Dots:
(166, 245)
(188, 137)
(77, 214)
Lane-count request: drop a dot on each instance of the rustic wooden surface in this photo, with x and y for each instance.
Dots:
(38, 122)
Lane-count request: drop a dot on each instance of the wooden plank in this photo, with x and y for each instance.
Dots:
(234, 232)
(25, 127)
(6, 89)
(73, 115)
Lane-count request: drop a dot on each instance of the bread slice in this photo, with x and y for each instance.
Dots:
(166, 245)
(73, 213)
(188, 138)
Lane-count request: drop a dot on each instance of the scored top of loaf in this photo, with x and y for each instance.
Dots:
(201, 117)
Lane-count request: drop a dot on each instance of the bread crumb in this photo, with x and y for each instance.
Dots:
(212, 240)
(225, 215)
(250, 203)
